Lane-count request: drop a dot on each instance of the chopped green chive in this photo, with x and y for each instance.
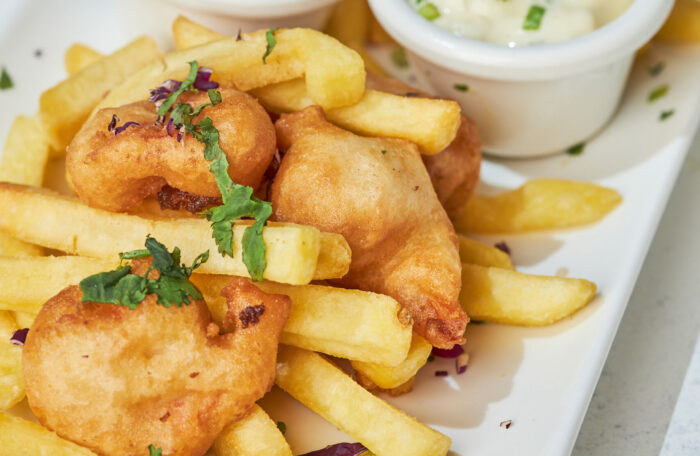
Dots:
(271, 42)
(431, 358)
(666, 114)
(282, 427)
(657, 93)
(461, 87)
(383, 152)
(657, 69)
(153, 451)
(5, 80)
(534, 17)
(429, 11)
(576, 149)
(398, 56)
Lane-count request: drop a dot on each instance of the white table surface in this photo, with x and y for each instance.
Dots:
(647, 401)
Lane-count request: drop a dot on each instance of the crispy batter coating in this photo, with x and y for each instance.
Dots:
(377, 193)
(116, 380)
(454, 171)
(117, 172)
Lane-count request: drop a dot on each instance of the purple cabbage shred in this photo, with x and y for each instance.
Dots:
(125, 126)
(19, 336)
(340, 449)
(202, 81)
(448, 353)
(502, 246)
(113, 122)
(441, 373)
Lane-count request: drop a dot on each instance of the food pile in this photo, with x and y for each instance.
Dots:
(243, 212)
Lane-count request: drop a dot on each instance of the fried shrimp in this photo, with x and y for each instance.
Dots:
(117, 168)
(117, 380)
(377, 194)
(454, 171)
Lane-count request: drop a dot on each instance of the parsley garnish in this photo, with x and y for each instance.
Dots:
(271, 42)
(282, 427)
(461, 87)
(186, 84)
(533, 20)
(121, 287)
(657, 93)
(666, 114)
(153, 451)
(429, 11)
(576, 149)
(5, 80)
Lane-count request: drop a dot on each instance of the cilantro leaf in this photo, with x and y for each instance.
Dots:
(102, 287)
(134, 254)
(153, 451)
(271, 42)
(186, 84)
(5, 80)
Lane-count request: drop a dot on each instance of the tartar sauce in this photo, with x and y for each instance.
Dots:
(520, 22)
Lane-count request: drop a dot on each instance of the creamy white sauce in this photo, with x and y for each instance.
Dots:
(501, 21)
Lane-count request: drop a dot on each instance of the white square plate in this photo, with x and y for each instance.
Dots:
(540, 378)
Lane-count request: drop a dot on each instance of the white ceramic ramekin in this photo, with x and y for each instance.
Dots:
(251, 15)
(532, 100)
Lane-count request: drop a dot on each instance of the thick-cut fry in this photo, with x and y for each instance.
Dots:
(254, 435)
(65, 107)
(334, 74)
(11, 380)
(23, 319)
(328, 391)
(430, 123)
(24, 438)
(78, 57)
(389, 377)
(350, 324)
(43, 217)
(188, 34)
(27, 283)
(474, 252)
(510, 297)
(540, 204)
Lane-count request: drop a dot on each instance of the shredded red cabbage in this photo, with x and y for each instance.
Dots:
(162, 91)
(441, 373)
(19, 336)
(502, 246)
(113, 122)
(448, 353)
(170, 127)
(340, 449)
(125, 126)
(202, 81)
(461, 363)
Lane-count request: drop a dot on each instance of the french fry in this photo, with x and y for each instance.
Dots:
(474, 252)
(11, 379)
(23, 161)
(683, 24)
(24, 438)
(78, 57)
(42, 217)
(350, 324)
(27, 283)
(188, 34)
(334, 74)
(504, 296)
(540, 204)
(23, 319)
(64, 107)
(328, 391)
(390, 377)
(254, 435)
(430, 123)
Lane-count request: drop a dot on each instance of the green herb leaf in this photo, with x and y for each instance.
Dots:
(657, 69)
(461, 87)
(666, 114)
(429, 11)
(576, 149)
(186, 85)
(657, 93)
(383, 152)
(271, 42)
(134, 254)
(5, 80)
(398, 56)
(153, 451)
(282, 427)
(533, 20)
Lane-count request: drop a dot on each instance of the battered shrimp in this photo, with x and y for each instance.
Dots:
(117, 172)
(117, 380)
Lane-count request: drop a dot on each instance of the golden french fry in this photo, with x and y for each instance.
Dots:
(474, 252)
(11, 379)
(188, 34)
(23, 319)
(27, 283)
(430, 123)
(328, 391)
(24, 438)
(64, 107)
(511, 297)
(683, 24)
(540, 204)
(78, 57)
(334, 74)
(43, 217)
(254, 435)
(390, 377)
